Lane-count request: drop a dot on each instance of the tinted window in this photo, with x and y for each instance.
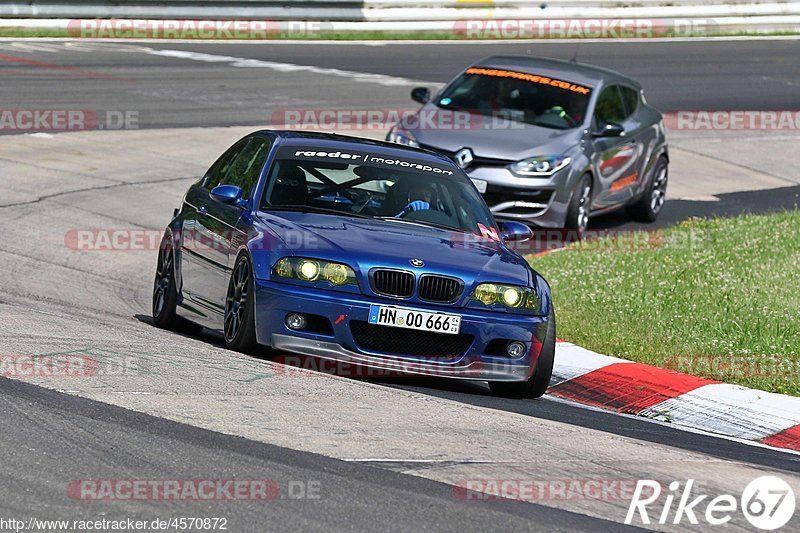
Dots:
(519, 97)
(371, 185)
(246, 169)
(609, 106)
(631, 99)
(216, 174)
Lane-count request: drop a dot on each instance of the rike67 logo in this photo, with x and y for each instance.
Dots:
(767, 502)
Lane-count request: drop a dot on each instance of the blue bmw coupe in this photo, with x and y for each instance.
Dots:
(361, 251)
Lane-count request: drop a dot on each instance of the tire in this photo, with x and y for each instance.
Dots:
(579, 206)
(239, 326)
(165, 292)
(537, 384)
(647, 208)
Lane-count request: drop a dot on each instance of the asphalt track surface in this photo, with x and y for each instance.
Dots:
(164, 91)
(386, 453)
(119, 443)
(725, 75)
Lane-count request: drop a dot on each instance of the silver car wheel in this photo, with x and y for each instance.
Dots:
(583, 207)
(659, 193)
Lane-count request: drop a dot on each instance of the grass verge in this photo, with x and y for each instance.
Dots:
(717, 298)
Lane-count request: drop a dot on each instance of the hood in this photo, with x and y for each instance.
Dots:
(507, 140)
(367, 243)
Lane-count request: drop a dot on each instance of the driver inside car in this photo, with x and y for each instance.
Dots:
(418, 199)
(506, 99)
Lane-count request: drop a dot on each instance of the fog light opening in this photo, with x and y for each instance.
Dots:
(296, 321)
(515, 349)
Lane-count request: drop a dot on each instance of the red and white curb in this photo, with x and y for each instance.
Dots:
(687, 401)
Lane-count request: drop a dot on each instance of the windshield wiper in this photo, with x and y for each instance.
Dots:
(314, 209)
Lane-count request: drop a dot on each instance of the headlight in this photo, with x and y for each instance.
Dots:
(511, 296)
(308, 271)
(314, 270)
(400, 136)
(539, 166)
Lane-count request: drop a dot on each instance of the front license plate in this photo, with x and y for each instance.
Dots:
(401, 317)
(480, 185)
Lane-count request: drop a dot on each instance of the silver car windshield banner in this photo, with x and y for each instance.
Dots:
(533, 78)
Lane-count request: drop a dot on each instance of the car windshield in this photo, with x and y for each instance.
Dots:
(362, 184)
(515, 96)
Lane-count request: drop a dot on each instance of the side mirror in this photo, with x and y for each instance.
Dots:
(227, 194)
(421, 95)
(515, 232)
(610, 129)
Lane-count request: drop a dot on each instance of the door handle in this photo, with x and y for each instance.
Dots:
(202, 210)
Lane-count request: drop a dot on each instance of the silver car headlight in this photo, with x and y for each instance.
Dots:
(400, 136)
(542, 166)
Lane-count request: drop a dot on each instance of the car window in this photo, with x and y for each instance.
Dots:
(247, 166)
(216, 174)
(371, 185)
(631, 99)
(517, 96)
(610, 107)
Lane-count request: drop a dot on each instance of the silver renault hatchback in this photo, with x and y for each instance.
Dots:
(547, 142)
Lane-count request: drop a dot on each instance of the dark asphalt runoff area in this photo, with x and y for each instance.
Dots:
(51, 441)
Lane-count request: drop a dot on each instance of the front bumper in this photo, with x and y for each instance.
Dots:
(540, 201)
(274, 300)
(474, 370)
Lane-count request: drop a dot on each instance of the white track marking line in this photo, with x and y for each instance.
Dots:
(241, 62)
(35, 47)
(92, 46)
(54, 47)
(427, 461)
(359, 77)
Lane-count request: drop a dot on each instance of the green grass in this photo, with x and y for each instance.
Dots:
(33, 32)
(717, 298)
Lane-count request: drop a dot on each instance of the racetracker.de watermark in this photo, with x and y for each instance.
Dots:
(60, 120)
(66, 365)
(194, 29)
(543, 490)
(605, 240)
(738, 366)
(143, 240)
(326, 119)
(737, 120)
(589, 28)
(299, 366)
(209, 489)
